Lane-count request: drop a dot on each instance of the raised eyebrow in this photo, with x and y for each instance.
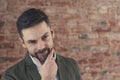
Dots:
(41, 37)
(45, 34)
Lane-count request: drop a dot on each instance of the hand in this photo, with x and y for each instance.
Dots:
(48, 70)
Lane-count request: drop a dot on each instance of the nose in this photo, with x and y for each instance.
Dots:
(40, 45)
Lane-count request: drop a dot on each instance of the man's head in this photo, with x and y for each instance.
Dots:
(31, 17)
(35, 33)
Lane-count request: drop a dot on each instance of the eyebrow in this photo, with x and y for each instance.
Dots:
(41, 36)
(45, 34)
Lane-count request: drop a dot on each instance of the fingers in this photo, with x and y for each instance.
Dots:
(50, 57)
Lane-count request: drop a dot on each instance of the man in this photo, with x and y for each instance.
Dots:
(41, 61)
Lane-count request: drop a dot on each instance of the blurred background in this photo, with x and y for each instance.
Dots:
(86, 30)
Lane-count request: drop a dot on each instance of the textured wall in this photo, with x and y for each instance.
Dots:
(86, 30)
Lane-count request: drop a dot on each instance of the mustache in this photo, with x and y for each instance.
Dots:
(42, 51)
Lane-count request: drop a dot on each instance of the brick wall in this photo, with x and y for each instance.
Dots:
(86, 30)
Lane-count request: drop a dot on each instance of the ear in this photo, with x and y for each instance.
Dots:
(52, 33)
(22, 42)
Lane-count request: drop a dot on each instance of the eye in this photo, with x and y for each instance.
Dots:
(45, 37)
(32, 41)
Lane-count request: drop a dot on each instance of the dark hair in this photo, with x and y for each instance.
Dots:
(30, 18)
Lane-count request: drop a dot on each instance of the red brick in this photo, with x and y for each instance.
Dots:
(60, 3)
(83, 61)
(6, 45)
(13, 37)
(112, 23)
(2, 38)
(13, 30)
(14, 52)
(3, 5)
(23, 2)
(13, 59)
(38, 3)
(106, 41)
(3, 52)
(102, 55)
(1, 31)
(11, 7)
(94, 73)
(97, 29)
(95, 60)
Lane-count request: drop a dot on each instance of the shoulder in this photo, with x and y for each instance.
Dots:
(66, 59)
(68, 62)
(13, 70)
(70, 65)
(20, 66)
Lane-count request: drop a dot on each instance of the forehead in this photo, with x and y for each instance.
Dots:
(36, 31)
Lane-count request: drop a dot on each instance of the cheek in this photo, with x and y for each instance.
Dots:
(31, 49)
(49, 43)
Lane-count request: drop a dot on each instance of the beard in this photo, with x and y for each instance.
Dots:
(42, 55)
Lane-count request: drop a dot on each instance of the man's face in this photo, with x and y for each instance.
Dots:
(38, 40)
